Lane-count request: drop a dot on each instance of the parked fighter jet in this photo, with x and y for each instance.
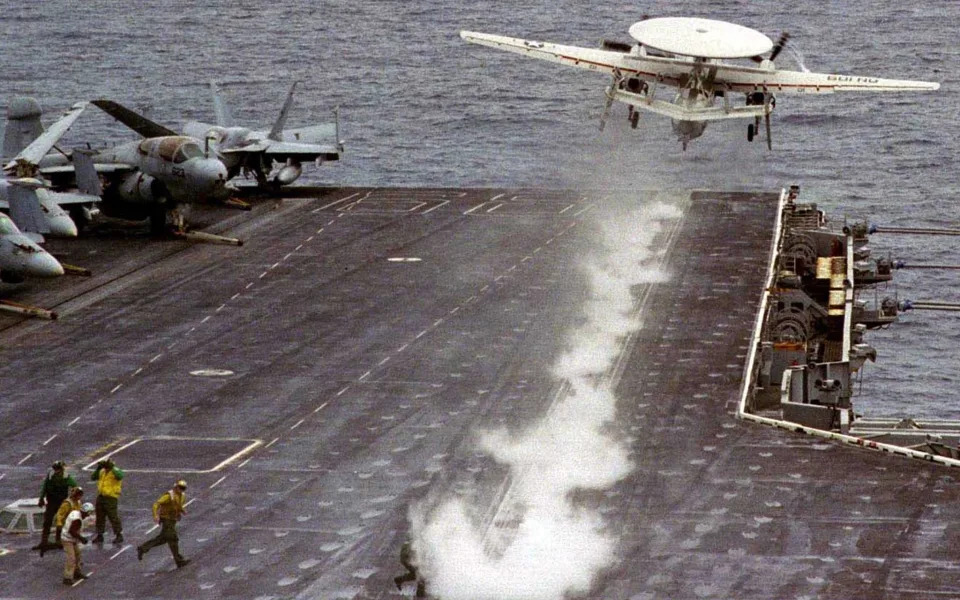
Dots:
(152, 178)
(41, 209)
(21, 257)
(274, 156)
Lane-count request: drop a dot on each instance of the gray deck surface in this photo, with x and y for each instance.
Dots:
(364, 379)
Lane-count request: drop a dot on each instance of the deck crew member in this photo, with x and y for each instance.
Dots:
(167, 510)
(54, 491)
(109, 480)
(72, 539)
(407, 559)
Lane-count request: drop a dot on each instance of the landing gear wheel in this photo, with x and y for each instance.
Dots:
(634, 119)
(751, 131)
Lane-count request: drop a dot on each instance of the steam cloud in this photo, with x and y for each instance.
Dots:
(557, 548)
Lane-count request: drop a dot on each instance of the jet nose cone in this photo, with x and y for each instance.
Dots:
(62, 227)
(212, 176)
(43, 265)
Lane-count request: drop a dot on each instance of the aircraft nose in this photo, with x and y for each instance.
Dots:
(62, 226)
(42, 264)
(213, 176)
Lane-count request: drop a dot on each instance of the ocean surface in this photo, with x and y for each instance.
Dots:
(420, 107)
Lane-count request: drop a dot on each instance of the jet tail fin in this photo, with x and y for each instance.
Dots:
(25, 210)
(88, 182)
(276, 133)
(220, 108)
(23, 125)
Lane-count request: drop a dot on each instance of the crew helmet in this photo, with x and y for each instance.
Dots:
(86, 507)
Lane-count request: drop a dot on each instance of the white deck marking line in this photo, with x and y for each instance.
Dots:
(550, 241)
(567, 208)
(454, 311)
(116, 387)
(249, 285)
(154, 528)
(205, 319)
(383, 362)
(70, 424)
(240, 466)
(526, 258)
(498, 278)
(471, 299)
(583, 210)
(297, 424)
(513, 268)
(437, 322)
(274, 265)
(192, 329)
(512, 198)
(50, 439)
(170, 347)
(137, 372)
(25, 458)
(341, 392)
(485, 288)
(490, 210)
(155, 358)
(421, 205)
(474, 208)
(364, 376)
(217, 482)
(221, 307)
(262, 275)
(190, 501)
(2, 475)
(121, 551)
(330, 222)
(272, 442)
(538, 249)
(402, 348)
(310, 239)
(421, 334)
(433, 208)
(495, 197)
(335, 202)
(319, 231)
(297, 249)
(235, 296)
(287, 255)
(321, 407)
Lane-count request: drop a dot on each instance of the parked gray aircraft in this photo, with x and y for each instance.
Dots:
(152, 178)
(272, 157)
(41, 210)
(21, 257)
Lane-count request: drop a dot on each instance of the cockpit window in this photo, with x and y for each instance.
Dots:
(6, 225)
(187, 151)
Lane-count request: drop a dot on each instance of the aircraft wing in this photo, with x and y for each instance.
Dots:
(133, 120)
(38, 148)
(282, 150)
(748, 79)
(104, 168)
(574, 56)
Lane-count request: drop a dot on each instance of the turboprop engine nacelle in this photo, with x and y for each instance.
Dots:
(289, 173)
(141, 189)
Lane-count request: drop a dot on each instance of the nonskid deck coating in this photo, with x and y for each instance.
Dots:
(364, 379)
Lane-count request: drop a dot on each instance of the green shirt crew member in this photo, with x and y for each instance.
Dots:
(167, 510)
(109, 482)
(55, 489)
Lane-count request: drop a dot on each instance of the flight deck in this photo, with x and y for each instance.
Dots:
(316, 383)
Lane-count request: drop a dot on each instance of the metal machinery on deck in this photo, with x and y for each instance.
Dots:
(822, 298)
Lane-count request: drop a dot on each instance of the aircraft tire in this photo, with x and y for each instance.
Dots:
(634, 119)
(751, 131)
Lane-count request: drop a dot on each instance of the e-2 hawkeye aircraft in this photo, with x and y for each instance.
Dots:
(688, 54)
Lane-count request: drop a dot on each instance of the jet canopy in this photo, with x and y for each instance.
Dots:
(175, 148)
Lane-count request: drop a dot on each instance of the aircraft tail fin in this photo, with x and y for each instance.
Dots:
(220, 108)
(25, 210)
(276, 133)
(23, 125)
(88, 182)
